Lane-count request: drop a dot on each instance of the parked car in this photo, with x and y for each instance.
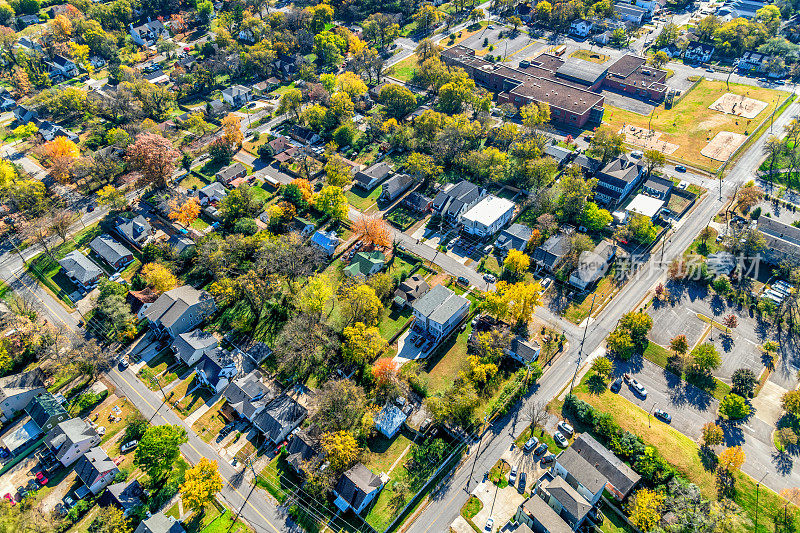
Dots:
(638, 388)
(547, 460)
(617, 385)
(530, 444)
(128, 446)
(523, 479)
(21, 493)
(452, 242)
(462, 281)
(41, 478)
(560, 439)
(10, 498)
(69, 503)
(32, 485)
(490, 278)
(123, 363)
(489, 523)
(4, 453)
(540, 450)
(680, 168)
(565, 428)
(662, 415)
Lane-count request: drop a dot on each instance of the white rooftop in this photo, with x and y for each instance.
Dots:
(488, 210)
(645, 205)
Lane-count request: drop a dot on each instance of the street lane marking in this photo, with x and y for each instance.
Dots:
(200, 454)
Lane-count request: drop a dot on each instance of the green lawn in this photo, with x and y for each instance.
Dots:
(579, 310)
(5, 291)
(208, 425)
(193, 180)
(659, 355)
(215, 519)
(401, 217)
(361, 199)
(405, 69)
(393, 321)
(191, 403)
(380, 452)
(279, 478)
(710, 246)
(443, 365)
(613, 523)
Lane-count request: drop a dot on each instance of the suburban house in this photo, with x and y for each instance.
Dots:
(181, 244)
(537, 515)
(697, 52)
(365, 264)
(439, 311)
(580, 28)
(783, 240)
(327, 240)
(487, 216)
(515, 237)
(570, 505)
(580, 475)
(159, 523)
(617, 179)
(231, 172)
(410, 290)
(61, 66)
(96, 469)
(71, 439)
(17, 391)
(111, 251)
(21, 438)
(457, 200)
(395, 186)
(592, 265)
(549, 254)
(237, 95)
(356, 489)
(562, 155)
(24, 21)
(658, 187)
(190, 346)
(621, 479)
(141, 300)
(50, 130)
(754, 62)
(46, 411)
(523, 350)
(417, 202)
(249, 394)
(23, 114)
(644, 205)
(179, 310)
(630, 13)
(215, 369)
(390, 420)
(303, 447)
(136, 231)
(303, 135)
(212, 193)
(81, 270)
(279, 418)
(372, 176)
(147, 34)
(127, 495)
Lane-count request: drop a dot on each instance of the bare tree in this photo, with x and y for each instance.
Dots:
(536, 414)
(91, 358)
(39, 231)
(61, 221)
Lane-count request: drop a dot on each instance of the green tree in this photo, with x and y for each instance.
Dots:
(362, 344)
(712, 434)
(641, 228)
(595, 218)
(621, 344)
(332, 201)
(790, 402)
(329, 48)
(397, 100)
(659, 59)
(653, 159)
(744, 382)
(603, 367)
(606, 145)
(733, 407)
(706, 357)
(290, 102)
(158, 449)
(239, 203)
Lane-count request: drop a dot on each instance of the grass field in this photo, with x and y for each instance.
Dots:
(444, 364)
(404, 70)
(578, 311)
(279, 478)
(208, 425)
(361, 199)
(659, 355)
(691, 125)
(587, 55)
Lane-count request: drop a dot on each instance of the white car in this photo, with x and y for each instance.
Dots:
(128, 446)
(489, 524)
(512, 477)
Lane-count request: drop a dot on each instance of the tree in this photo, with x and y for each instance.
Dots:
(381, 29)
(59, 154)
(606, 145)
(455, 94)
(337, 172)
(373, 230)
(232, 130)
(638, 324)
(731, 458)
(733, 407)
(39, 231)
(291, 102)
(332, 201)
(645, 509)
(426, 17)
(516, 262)
(786, 437)
(341, 450)
(158, 449)
(384, 371)
(339, 404)
(641, 228)
(158, 277)
(620, 343)
(660, 58)
(351, 84)
(397, 100)
(748, 196)
(359, 303)
(239, 203)
(534, 115)
(426, 49)
(790, 402)
(477, 14)
(706, 357)
(595, 218)
(730, 321)
(679, 344)
(773, 149)
(61, 221)
(712, 434)
(112, 197)
(422, 166)
(110, 519)
(653, 159)
(185, 213)
(362, 344)
(603, 367)
(202, 482)
(154, 157)
(317, 294)
(515, 301)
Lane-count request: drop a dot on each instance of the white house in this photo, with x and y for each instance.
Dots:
(237, 95)
(580, 28)
(189, 347)
(147, 34)
(70, 439)
(356, 489)
(487, 216)
(96, 469)
(439, 311)
(644, 205)
(698, 52)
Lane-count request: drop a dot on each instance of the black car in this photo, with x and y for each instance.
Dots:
(616, 386)
(541, 449)
(547, 460)
(662, 415)
(522, 482)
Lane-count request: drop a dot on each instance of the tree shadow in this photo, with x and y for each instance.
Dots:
(717, 305)
(707, 458)
(734, 435)
(727, 342)
(596, 384)
(783, 462)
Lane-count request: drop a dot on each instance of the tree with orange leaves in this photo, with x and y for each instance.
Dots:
(373, 230)
(232, 128)
(58, 155)
(153, 156)
(61, 28)
(385, 371)
(185, 213)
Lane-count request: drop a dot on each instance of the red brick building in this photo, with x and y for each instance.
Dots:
(630, 74)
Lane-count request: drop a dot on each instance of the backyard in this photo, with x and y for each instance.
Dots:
(361, 199)
(691, 124)
(209, 425)
(279, 478)
(186, 405)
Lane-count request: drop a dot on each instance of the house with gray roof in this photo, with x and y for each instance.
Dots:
(390, 420)
(410, 290)
(395, 186)
(457, 200)
(279, 418)
(159, 523)
(563, 499)
(303, 448)
(179, 310)
(136, 230)
(592, 265)
(783, 240)
(96, 469)
(536, 515)
(250, 394)
(127, 495)
(81, 270)
(231, 172)
(17, 391)
(215, 369)
(439, 311)
(212, 193)
(190, 346)
(514, 237)
(356, 489)
(551, 252)
(617, 180)
(237, 95)
(523, 350)
(372, 176)
(621, 478)
(581, 475)
(111, 251)
(70, 439)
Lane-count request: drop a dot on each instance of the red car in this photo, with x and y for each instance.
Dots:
(41, 478)
(10, 499)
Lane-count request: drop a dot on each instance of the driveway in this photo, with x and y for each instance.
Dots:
(500, 504)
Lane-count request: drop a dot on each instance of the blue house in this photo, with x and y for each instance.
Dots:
(327, 240)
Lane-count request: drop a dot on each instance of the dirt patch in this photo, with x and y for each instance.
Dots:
(50, 501)
(723, 145)
(712, 122)
(18, 475)
(739, 105)
(647, 139)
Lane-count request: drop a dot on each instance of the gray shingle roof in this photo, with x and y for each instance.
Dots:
(80, 267)
(171, 305)
(439, 304)
(620, 475)
(109, 249)
(356, 483)
(572, 502)
(279, 414)
(584, 472)
(535, 506)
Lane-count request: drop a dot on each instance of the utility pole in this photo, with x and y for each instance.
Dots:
(155, 380)
(583, 340)
(478, 452)
(248, 462)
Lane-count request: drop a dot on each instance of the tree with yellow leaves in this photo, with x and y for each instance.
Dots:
(58, 155)
(362, 344)
(317, 294)
(158, 277)
(111, 197)
(731, 458)
(61, 28)
(184, 213)
(341, 450)
(232, 130)
(351, 84)
(515, 301)
(202, 482)
(517, 262)
(645, 509)
(373, 230)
